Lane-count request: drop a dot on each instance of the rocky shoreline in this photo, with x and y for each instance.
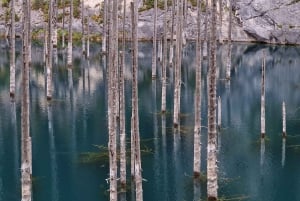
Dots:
(276, 22)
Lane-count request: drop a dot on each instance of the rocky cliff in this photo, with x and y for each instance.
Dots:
(276, 21)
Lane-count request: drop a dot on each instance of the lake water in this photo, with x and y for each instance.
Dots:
(76, 123)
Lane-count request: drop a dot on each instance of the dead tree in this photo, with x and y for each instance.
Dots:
(212, 176)
(228, 64)
(50, 52)
(154, 50)
(135, 116)
(26, 153)
(70, 38)
(197, 127)
(82, 28)
(12, 82)
(164, 60)
(104, 34)
(283, 120)
(122, 107)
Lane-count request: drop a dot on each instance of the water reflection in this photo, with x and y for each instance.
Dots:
(79, 122)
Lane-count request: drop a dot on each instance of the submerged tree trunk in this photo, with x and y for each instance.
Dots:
(154, 50)
(26, 156)
(88, 37)
(135, 114)
(262, 109)
(164, 60)
(212, 176)
(12, 83)
(197, 127)
(70, 38)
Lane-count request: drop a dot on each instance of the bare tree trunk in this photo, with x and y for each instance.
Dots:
(283, 120)
(63, 24)
(171, 53)
(88, 37)
(178, 64)
(135, 114)
(50, 52)
(54, 31)
(26, 156)
(164, 66)
(82, 28)
(154, 50)
(29, 33)
(113, 56)
(104, 34)
(122, 108)
(212, 176)
(12, 86)
(70, 38)
(221, 20)
(228, 65)
(262, 109)
(197, 128)
(45, 55)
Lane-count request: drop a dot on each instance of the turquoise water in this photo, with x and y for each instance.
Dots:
(76, 122)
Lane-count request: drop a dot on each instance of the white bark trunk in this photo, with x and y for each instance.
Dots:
(70, 38)
(212, 175)
(154, 50)
(197, 127)
(50, 52)
(63, 24)
(135, 115)
(164, 66)
(104, 34)
(12, 83)
(82, 28)
(88, 38)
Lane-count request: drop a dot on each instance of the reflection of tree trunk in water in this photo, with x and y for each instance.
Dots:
(212, 176)
(283, 120)
(262, 118)
(84, 100)
(262, 152)
(156, 165)
(26, 150)
(283, 152)
(135, 114)
(219, 113)
(164, 154)
(53, 162)
(12, 56)
(164, 64)
(15, 141)
(178, 65)
(176, 161)
(197, 189)
(198, 95)
(154, 49)
(50, 49)
(70, 38)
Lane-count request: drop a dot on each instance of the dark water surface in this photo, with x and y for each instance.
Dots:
(75, 122)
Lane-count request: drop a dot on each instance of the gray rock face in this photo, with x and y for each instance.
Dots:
(276, 21)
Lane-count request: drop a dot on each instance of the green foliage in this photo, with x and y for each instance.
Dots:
(97, 18)
(194, 2)
(148, 4)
